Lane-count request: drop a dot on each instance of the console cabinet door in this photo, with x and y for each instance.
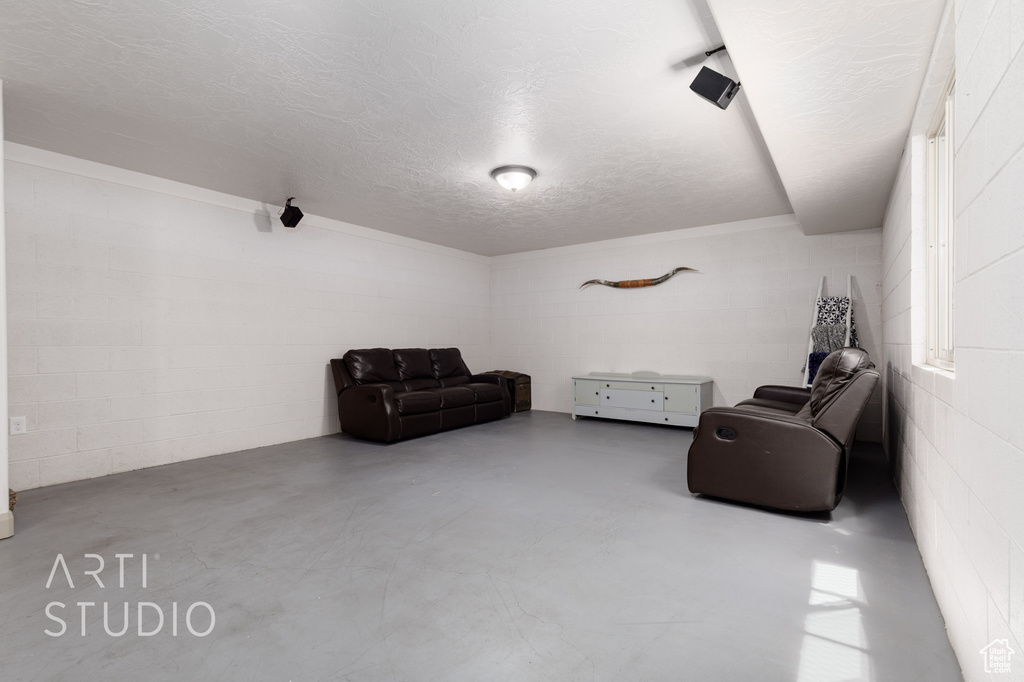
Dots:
(586, 392)
(681, 398)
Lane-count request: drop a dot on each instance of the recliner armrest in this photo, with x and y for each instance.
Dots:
(786, 394)
(369, 411)
(382, 391)
(497, 379)
(763, 457)
(342, 378)
(755, 411)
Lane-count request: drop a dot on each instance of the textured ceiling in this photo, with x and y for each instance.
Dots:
(390, 113)
(833, 86)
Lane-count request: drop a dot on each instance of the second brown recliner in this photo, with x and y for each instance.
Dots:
(786, 448)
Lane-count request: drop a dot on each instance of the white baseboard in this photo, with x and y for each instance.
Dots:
(6, 524)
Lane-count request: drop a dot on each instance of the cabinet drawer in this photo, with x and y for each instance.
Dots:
(632, 399)
(586, 392)
(664, 418)
(631, 386)
(681, 398)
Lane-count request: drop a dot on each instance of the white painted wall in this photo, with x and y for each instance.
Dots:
(6, 517)
(743, 319)
(956, 440)
(152, 322)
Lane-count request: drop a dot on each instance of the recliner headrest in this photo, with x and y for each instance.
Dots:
(836, 371)
(413, 363)
(371, 365)
(447, 362)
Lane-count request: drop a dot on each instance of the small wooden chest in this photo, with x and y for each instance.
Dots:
(518, 386)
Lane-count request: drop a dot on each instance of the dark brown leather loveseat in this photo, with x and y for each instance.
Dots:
(786, 447)
(389, 395)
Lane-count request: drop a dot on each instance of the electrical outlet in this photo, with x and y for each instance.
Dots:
(18, 425)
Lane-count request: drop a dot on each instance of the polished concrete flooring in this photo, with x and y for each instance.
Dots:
(533, 548)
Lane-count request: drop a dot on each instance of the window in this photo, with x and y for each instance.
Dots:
(941, 219)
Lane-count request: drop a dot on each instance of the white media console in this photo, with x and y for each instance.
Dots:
(642, 396)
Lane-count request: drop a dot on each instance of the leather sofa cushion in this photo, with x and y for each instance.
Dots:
(413, 363)
(836, 371)
(421, 384)
(486, 393)
(459, 380)
(447, 362)
(417, 402)
(454, 396)
(372, 366)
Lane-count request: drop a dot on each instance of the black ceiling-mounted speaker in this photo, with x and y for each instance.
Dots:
(714, 87)
(291, 215)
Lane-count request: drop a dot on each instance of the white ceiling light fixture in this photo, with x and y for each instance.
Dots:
(513, 178)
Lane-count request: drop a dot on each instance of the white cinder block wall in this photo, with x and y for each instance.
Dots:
(151, 322)
(744, 319)
(957, 440)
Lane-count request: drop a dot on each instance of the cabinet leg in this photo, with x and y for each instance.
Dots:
(574, 417)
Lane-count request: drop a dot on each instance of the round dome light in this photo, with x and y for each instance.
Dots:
(513, 177)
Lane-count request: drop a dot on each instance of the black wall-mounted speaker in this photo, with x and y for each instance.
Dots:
(291, 215)
(714, 87)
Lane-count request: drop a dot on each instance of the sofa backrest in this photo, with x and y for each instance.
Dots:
(373, 366)
(403, 369)
(414, 369)
(836, 371)
(840, 391)
(448, 367)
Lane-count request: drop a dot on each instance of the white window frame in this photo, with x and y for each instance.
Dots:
(941, 220)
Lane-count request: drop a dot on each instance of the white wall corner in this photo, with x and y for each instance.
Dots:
(6, 518)
(940, 64)
(6, 524)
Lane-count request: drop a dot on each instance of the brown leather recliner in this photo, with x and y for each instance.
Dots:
(389, 395)
(786, 448)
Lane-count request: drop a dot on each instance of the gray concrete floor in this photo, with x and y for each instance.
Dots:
(533, 548)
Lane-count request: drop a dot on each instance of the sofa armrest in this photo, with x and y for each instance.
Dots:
(369, 411)
(342, 379)
(506, 400)
(786, 394)
(765, 458)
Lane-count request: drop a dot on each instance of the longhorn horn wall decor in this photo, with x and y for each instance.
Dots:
(637, 283)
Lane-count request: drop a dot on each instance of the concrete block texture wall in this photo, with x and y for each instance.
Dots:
(743, 319)
(956, 440)
(151, 322)
(149, 326)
